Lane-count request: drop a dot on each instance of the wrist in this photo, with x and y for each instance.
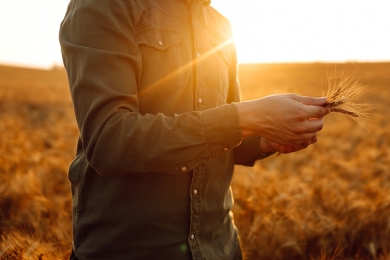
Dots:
(244, 113)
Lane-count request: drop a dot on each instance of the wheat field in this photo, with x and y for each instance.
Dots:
(329, 201)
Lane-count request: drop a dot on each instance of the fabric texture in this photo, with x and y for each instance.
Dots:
(153, 83)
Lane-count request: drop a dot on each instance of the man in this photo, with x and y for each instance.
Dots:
(155, 92)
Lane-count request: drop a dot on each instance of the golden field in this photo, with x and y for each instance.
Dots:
(329, 201)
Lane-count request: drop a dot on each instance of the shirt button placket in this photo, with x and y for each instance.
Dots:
(200, 100)
(197, 182)
(200, 103)
(196, 205)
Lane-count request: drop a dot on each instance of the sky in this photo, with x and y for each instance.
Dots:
(264, 30)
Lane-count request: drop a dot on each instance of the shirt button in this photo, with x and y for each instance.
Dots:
(183, 169)
(200, 100)
(198, 55)
(225, 149)
(160, 42)
(195, 191)
(192, 237)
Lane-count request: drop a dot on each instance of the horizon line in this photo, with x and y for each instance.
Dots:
(55, 66)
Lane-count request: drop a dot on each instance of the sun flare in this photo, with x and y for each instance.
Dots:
(303, 31)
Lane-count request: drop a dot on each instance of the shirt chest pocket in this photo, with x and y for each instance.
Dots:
(220, 61)
(161, 61)
(223, 63)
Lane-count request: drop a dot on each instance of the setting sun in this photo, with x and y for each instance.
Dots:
(290, 31)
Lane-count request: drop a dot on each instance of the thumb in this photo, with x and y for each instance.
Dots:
(311, 101)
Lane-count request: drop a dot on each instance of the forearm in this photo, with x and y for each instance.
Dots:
(129, 142)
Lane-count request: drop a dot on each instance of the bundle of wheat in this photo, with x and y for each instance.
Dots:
(346, 95)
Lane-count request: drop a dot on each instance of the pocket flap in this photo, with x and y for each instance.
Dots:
(159, 38)
(223, 44)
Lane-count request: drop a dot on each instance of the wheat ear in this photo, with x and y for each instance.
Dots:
(346, 96)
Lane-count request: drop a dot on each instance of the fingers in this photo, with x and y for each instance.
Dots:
(316, 111)
(294, 148)
(304, 140)
(304, 145)
(315, 107)
(313, 125)
(309, 101)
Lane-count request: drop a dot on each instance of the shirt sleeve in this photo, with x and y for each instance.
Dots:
(248, 152)
(103, 63)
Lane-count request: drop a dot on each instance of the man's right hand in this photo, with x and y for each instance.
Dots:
(286, 119)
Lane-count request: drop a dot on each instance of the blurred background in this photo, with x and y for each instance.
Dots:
(330, 201)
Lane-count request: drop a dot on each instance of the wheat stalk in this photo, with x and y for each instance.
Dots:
(346, 96)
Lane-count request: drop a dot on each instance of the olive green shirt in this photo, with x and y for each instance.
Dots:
(153, 83)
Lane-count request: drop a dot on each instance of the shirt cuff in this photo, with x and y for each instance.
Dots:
(222, 128)
(249, 152)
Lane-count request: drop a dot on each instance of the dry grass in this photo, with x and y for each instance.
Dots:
(36, 145)
(330, 201)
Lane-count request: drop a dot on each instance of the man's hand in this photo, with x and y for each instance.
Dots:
(266, 146)
(288, 120)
